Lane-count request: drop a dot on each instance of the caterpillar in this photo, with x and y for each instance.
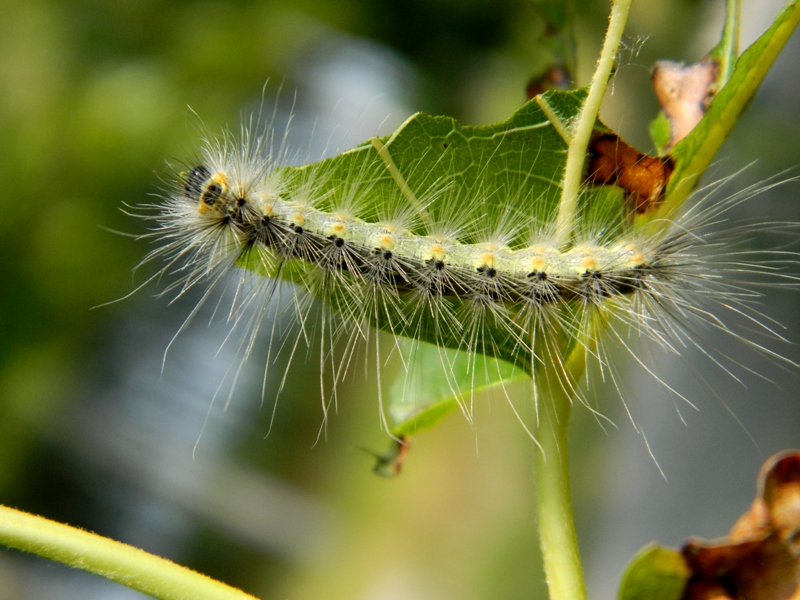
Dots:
(471, 263)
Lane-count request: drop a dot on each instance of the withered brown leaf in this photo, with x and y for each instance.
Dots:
(760, 558)
(644, 178)
(684, 93)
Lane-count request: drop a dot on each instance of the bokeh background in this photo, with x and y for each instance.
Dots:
(96, 97)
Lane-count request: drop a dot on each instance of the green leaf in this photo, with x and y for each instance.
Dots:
(655, 573)
(431, 391)
(522, 156)
(694, 153)
(474, 175)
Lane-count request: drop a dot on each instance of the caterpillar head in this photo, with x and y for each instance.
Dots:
(206, 189)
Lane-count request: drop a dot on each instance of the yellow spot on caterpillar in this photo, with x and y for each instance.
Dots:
(589, 263)
(636, 259)
(486, 260)
(437, 252)
(337, 229)
(298, 219)
(538, 264)
(386, 242)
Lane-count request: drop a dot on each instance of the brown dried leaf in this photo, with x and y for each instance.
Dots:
(760, 559)
(684, 93)
(782, 496)
(644, 178)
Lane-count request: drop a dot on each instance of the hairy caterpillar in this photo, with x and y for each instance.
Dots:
(466, 262)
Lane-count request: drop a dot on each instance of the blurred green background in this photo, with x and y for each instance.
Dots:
(96, 98)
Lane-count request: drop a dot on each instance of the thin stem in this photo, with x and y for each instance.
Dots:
(729, 50)
(560, 126)
(386, 156)
(576, 152)
(557, 535)
(134, 568)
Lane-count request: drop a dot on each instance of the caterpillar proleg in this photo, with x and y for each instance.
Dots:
(458, 250)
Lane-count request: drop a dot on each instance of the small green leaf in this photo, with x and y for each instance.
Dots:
(660, 133)
(655, 573)
(440, 381)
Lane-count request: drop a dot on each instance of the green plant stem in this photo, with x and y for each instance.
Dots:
(134, 568)
(728, 50)
(576, 152)
(557, 535)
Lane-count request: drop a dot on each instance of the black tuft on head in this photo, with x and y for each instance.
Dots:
(194, 180)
